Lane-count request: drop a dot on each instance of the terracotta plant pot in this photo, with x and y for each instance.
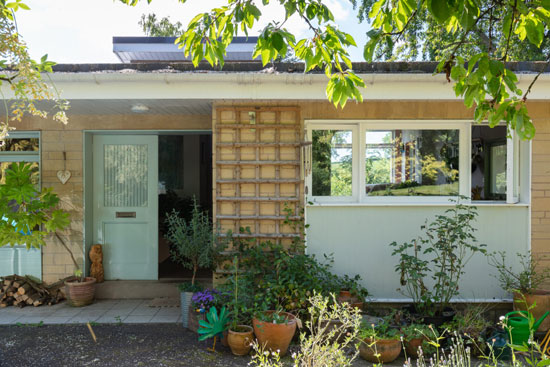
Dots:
(275, 336)
(240, 340)
(412, 345)
(542, 300)
(346, 296)
(387, 349)
(80, 293)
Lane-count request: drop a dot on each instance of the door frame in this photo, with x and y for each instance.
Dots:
(88, 182)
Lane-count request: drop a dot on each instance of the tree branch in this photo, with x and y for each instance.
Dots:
(546, 64)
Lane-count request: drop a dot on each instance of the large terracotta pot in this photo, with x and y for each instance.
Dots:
(240, 340)
(542, 300)
(80, 293)
(275, 337)
(412, 345)
(387, 349)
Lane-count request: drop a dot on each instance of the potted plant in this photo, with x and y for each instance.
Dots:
(201, 303)
(417, 336)
(524, 283)
(274, 329)
(195, 245)
(431, 266)
(472, 327)
(240, 335)
(380, 343)
(352, 292)
(29, 216)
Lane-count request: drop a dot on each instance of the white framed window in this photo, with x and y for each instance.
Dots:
(334, 151)
(409, 161)
(21, 147)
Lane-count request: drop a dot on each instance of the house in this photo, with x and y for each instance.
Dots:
(249, 141)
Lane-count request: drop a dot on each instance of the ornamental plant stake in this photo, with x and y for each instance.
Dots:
(28, 214)
(214, 326)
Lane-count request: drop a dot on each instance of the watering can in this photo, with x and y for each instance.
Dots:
(518, 323)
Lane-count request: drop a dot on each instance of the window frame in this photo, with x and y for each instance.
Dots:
(30, 157)
(354, 174)
(359, 155)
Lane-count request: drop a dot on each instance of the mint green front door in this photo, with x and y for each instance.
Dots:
(125, 169)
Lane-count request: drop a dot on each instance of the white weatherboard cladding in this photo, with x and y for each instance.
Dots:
(359, 238)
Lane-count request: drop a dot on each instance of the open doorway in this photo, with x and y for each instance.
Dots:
(185, 171)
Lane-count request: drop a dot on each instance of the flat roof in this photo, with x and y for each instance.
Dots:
(405, 67)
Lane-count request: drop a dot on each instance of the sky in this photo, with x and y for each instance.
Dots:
(81, 31)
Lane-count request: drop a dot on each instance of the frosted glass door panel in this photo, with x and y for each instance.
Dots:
(125, 177)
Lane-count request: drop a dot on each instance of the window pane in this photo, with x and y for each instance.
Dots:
(125, 176)
(411, 162)
(35, 173)
(332, 163)
(19, 145)
(489, 163)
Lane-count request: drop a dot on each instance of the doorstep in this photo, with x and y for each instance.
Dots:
(142, 289)
(110, 311)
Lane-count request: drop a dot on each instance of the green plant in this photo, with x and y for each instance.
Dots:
(526, 279)
(190, 287)
(331, 335)
(353, 285)
(277, 278)
(196, 244)
(214, 325)
(381, 330)
(440, 256)
(30, 215)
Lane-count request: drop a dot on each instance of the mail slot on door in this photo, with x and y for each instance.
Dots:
(125, 214)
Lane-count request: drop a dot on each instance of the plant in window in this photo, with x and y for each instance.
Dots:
(438, 257)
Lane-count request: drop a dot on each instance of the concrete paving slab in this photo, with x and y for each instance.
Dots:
(68, 312)
(144, 311)
(110, 319)
(30, 320)
(165, 319)
(53, 320)
(138, 319)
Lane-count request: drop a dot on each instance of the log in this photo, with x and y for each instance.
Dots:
(24, 288)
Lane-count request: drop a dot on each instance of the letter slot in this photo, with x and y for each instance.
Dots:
(125, 214)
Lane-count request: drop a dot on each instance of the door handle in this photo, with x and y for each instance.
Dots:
(125, 214)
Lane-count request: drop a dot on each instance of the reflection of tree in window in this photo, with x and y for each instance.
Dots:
(332, 163)
(412, 162)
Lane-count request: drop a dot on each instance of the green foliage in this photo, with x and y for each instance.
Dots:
(472, 40)
(440, 255)
(153, 27)
(214, 325)
(29, 215)
(195, 242)
(525, 280)
(381, 330)
(189, 287)
(23, 74)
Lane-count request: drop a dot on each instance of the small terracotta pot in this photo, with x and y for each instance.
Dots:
(240, 341)
(412, 345)
(275, 337)
(387, 349)
(542, 300)
(80, 293)
(344, 296)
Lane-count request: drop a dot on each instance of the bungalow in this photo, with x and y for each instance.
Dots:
(248, 141)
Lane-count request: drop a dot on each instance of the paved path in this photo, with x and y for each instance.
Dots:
(135, 311)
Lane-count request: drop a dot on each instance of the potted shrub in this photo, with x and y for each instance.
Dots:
(274, 329)
(431, 266)
(380, 343)
(417, 336)
(195, 245)
(29, 216)
(524, 283)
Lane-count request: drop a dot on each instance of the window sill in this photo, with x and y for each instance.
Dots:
(394, 204)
